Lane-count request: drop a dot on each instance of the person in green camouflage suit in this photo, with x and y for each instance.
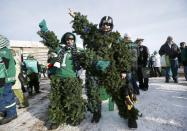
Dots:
(107, 61)
(66, 102)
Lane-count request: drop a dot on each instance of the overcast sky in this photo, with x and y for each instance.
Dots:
(152, 20)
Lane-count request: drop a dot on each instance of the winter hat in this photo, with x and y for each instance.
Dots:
(67, 36)
(4, 42)
(30, 56)
(139, 39)
(126, 35)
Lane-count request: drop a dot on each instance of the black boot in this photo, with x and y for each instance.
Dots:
(175, 80)
(93, 117)
(167, 80)
(2, 115)
(146, 84)
(132, 123)
(7, 120)
(141, 86)
(96, 117)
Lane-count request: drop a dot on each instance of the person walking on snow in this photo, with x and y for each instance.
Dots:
(105, 65)
(31, 66)
(7, 79)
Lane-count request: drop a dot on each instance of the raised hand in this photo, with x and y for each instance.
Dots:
(71, 13)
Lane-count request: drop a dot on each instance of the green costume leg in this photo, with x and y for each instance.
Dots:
(66, 102)
(94, 101)
(111, 104)
(103, 94)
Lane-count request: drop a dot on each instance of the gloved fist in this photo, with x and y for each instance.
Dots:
(102, 65)
(43, 26)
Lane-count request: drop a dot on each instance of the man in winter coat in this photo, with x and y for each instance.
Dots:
(143, 55)
(183, 56)
(169, 48)
(31, 66)
(7, 79)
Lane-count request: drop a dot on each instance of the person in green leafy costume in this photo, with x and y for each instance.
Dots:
(107, 61)
(66, 102)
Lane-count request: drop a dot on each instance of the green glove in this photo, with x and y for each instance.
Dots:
(1, 91)
(43, 26)
(102, 65)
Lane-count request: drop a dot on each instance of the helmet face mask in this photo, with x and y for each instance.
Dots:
(106, 24)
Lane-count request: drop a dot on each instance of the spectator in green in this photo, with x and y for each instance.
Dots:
(32, 68)
(7, 79)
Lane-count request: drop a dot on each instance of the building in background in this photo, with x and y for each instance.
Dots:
(37, 49)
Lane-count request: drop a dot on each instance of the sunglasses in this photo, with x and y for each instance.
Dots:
(107, 24)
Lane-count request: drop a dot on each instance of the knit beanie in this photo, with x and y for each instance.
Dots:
(4, 42)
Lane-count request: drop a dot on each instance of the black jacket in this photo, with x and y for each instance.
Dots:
(143, 54)
(172, 52)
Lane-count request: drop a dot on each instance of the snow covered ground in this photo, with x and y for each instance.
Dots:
(164, 108)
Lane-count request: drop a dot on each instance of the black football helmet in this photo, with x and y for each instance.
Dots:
(108, 21)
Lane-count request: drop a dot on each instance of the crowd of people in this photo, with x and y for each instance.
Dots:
(117, 64)
(17, 76)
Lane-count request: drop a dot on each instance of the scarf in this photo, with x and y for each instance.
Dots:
(61, 56)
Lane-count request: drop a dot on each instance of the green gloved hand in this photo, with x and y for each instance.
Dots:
(102, 65)
(43, 26)
(1, 91)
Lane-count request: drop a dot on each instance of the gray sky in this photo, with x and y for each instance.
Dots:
(152, 20)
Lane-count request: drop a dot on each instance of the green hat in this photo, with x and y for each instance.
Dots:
(4, 42)
(67, 36)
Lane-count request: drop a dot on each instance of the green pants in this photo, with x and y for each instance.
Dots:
(104, 96)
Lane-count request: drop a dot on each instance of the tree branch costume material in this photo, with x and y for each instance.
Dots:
(66, 104)
(106, 57)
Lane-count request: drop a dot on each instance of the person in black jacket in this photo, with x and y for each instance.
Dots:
(169, 48)
(143, 55)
